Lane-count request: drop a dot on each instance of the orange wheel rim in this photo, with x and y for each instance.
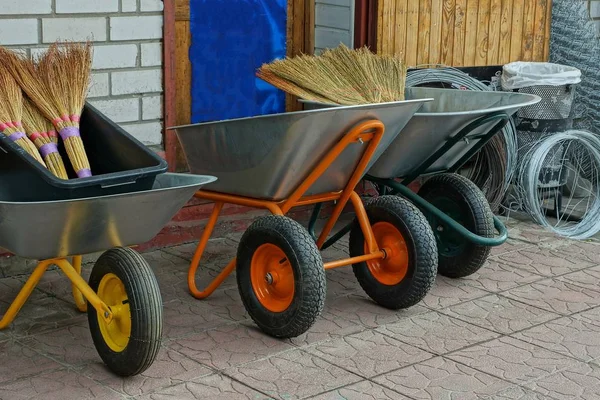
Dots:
(272, 278)
(392, 269)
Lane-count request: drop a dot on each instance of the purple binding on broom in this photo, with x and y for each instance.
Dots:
(48, 149)
(84, 173)
(69, 131)
(16, 136)
(72, 131)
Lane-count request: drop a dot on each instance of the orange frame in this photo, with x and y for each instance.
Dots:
(370, 132)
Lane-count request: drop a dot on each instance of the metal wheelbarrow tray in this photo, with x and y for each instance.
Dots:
(277, 162)
(125, 315)
(267, 157)
(439, 139)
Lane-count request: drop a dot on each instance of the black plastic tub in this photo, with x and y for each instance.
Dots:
(119, 164)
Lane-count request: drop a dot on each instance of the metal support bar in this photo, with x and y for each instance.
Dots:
(81, 290)
(313, 220)
(449, 222)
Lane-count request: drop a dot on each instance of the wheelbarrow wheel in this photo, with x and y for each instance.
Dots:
(128, 344)
(280, 276)
(462, 200)
(405, 276)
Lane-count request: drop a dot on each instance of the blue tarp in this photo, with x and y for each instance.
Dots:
(230, 40)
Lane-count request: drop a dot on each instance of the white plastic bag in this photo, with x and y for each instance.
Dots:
(521, 74)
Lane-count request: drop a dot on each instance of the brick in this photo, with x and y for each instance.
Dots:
(115, 56)
(119, 110)
(73, 28)
(151, 107)
(78, 6)
(99, 85)
(151, 5)
(18, 31)
(128, 5)
(38, 52)
(136, 28)
(151, 54)
(26, 7)
(130, 82)
(149, 133)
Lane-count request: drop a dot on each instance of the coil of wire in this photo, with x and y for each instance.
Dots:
(577, 214)
(493, 167)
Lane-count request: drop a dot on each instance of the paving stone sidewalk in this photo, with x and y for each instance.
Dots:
(527, 326)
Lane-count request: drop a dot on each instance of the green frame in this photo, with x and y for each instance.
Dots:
(402, 189)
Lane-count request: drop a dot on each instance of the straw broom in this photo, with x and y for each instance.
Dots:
(11, 109)
(38, 130)
(341, 76)
(58, 88)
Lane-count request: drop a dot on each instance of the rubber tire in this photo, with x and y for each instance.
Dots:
(309, 276)
(145, 305)
(422, 253)
(480, 220)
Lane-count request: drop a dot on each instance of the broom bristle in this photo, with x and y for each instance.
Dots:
(37, 128)
(341, 76)
(58, 86)
(11, 113)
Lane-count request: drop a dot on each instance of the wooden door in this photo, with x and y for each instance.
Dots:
(178, 71)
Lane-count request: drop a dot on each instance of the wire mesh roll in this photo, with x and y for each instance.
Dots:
(494, 166)
(571, 209)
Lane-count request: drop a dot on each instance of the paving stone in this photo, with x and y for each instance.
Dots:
(70, 345)
(361, 390)
(170, 368)
(368, 353)
(500, 314)
(20, 361)
(496, 276)
(326, 327)
(587, 251)
(591, 316)
(512, 360)
(292, 375)
(509, 246)
(568, 336)
(546, 261)
(517, 393)
(437, 333)
(441, 379)
(529, 232)
(556, 296)
(228, 346)
(213, 387)
(184, 318)
(446, 292)
(365, 312)
(581, 381)
(588, 278)
(62, 384)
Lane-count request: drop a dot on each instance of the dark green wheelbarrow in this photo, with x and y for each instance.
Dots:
(435, 144)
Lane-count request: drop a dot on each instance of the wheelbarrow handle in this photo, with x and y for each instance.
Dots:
(451, 223)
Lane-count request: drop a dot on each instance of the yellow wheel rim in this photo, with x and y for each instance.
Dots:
(116, 332)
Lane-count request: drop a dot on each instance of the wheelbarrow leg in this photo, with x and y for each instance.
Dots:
(80, 301)
(24, 294)
(210, 226)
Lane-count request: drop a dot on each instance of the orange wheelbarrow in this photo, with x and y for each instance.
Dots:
(277, 162)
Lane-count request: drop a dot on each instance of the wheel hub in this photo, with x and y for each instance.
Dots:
(393, 267)
(272, 278)
(117, 331)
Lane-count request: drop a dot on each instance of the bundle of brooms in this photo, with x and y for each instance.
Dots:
(339, 76)
(11, 111)
(57, 85)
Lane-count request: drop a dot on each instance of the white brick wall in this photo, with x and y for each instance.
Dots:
(127, 34)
